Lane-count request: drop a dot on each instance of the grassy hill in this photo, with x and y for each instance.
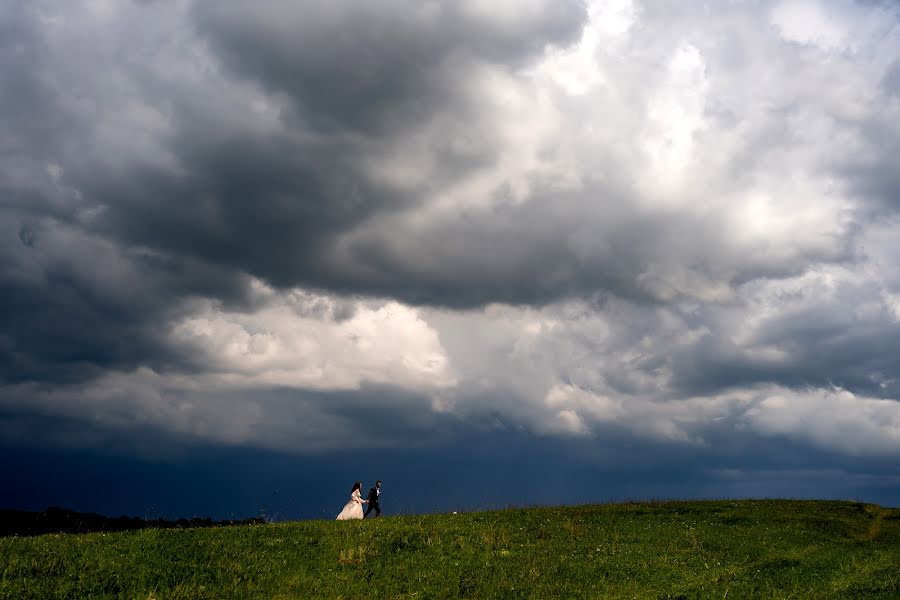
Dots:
(720, 549)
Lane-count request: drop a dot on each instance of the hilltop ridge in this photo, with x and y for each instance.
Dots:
(703, 549)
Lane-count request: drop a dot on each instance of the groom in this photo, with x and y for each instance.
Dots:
(374, 494)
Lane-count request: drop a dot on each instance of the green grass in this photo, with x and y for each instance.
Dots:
(716, 549)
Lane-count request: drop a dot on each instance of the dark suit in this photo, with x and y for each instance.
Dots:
(373, 503)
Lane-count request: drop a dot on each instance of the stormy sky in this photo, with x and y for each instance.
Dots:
(491, 252)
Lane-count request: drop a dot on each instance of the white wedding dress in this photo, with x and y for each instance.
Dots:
(353, 509)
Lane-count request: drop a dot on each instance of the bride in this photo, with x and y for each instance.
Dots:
(353, 509)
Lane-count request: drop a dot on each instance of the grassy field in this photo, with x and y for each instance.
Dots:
(716, 549)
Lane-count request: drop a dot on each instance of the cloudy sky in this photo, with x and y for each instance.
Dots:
(516, 251)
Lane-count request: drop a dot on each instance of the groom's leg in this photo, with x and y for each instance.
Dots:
(368, 510)
(377, 509)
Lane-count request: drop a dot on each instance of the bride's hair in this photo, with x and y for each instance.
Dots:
(356, 486)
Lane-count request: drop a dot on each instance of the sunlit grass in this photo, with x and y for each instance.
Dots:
(745, 549)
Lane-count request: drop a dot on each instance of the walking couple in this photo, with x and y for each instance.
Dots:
(353, 509)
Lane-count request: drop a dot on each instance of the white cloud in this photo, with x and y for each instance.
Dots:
(832, 419)
(294, 341)
(675, 115)
(809, 22)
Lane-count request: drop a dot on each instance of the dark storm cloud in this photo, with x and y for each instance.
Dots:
(272, 203)
(817, 354)
(374, 68)
(124, 416)
(72, 306)
(31, 115)
(261, 205)
(56, 324)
